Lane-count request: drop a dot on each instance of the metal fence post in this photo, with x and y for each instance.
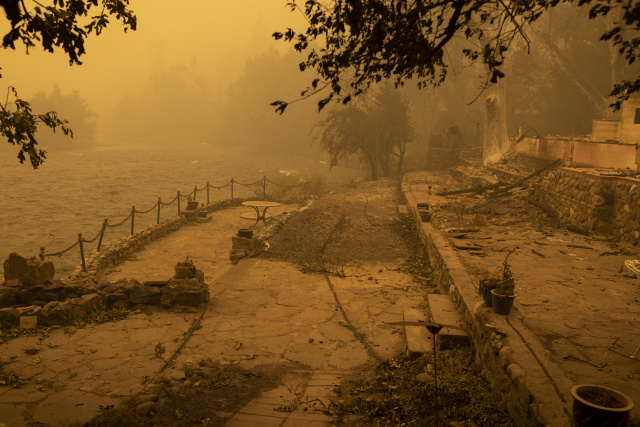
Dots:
(207, 192)
(159, 204)
(104, 227)
(264, 186)
(178, 203)
(195, 192)
(231, 188)
(84, 265)
(133, 218)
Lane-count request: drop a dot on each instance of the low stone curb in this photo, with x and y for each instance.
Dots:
(85, 300)
(120, 249)
(503, 348)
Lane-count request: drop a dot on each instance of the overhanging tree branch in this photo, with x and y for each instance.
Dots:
(52, 27)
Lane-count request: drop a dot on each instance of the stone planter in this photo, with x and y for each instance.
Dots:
(245, 232)
(594, 405)
(425, 216)
(184, 272)
(192, 205)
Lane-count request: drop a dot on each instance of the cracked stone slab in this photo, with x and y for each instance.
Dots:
(70, 406)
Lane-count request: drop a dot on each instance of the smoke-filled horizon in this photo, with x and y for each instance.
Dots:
(212, 38)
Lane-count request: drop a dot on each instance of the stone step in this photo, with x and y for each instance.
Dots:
(418, 340)
(443, 310)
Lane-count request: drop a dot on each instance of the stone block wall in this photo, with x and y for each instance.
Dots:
(60, 304)
(629, 129)
(603, 130)
(605, 155)
(593, 203)
(582, 152)
(502, 353)
(64, 302)
(117, 250)
(545, 148)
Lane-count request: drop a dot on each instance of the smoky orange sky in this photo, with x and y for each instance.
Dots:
(218, 36)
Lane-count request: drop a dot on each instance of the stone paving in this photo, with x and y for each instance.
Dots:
(261, 312)
(577, 305)
(312, 397)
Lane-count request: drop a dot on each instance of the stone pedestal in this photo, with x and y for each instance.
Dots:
(242, 247)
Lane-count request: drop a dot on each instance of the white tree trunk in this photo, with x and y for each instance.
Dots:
(496, 140)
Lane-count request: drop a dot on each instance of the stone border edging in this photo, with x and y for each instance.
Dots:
(505, 358)
(115, 250)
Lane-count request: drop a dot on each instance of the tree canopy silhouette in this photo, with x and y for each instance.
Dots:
(354, 43)
(64, 25)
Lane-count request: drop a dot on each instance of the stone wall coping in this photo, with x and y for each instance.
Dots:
(597, 176)
(521, 380)
(578, 139)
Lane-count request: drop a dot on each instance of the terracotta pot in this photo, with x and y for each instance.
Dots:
(587, 413)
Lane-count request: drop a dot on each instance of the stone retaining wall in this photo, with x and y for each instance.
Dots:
(66, 301)
(593, 203)
(60, 304)
(118, 250)
(506, 359)
(576, 151)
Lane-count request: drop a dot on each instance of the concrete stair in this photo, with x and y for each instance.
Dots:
(443, 310)
(418, 340)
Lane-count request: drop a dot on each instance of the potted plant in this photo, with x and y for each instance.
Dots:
(192, 204)
(487, 284)
(503, 295)
(185, 269)
(595, 405)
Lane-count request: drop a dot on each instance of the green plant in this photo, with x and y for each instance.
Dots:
(487, 284)
(506, 284)
(186, 263)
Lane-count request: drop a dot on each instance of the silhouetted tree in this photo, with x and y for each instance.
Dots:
(266, 76)
(174, 106)
(375, 128)
(72, 106)
(394, 124)
(65, 25)
(354, 43)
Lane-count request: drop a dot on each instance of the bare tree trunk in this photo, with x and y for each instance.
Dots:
(384, 164)
(400, 162)
(496, 140)
(372, 165)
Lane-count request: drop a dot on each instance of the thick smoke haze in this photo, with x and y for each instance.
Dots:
(206, 42)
